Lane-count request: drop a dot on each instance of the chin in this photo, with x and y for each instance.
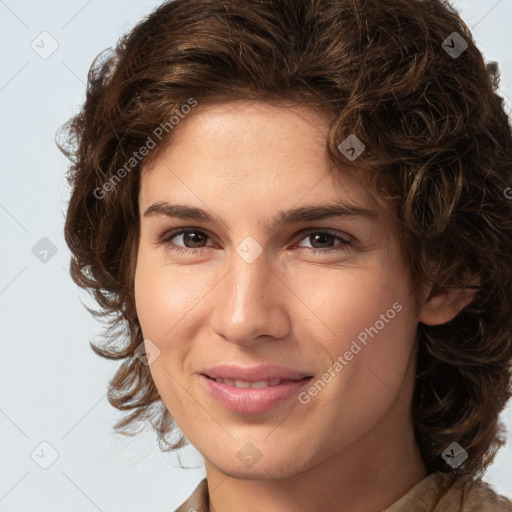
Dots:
(279, 466)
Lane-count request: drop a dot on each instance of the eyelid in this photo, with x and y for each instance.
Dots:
(334, 232)
(171, 233)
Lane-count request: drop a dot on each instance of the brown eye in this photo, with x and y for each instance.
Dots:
(321, 241)
(193, 239)
(190, 239)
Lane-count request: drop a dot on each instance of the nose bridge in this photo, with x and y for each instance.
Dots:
(249, 302)
(247, 285)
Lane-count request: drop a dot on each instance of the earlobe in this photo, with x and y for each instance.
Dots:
(445, 305)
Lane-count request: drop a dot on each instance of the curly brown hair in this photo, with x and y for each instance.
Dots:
(438, 153)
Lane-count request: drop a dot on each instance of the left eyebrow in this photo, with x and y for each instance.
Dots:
(293, 216)
(323, 211)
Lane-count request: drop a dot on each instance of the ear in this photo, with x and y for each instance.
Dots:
(445, 305)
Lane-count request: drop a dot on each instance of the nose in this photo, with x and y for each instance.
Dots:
(250, 302)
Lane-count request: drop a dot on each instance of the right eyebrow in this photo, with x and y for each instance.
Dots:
(182, 212)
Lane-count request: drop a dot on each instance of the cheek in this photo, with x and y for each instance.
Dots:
(372, 324)
(152, 298)
(350, 302)
(165, 295)
(164, 302)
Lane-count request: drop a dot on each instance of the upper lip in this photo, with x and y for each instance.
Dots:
(254, 373)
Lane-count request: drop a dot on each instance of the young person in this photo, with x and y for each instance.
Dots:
(298, 215)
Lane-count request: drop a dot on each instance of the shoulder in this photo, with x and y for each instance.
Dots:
(198, 500)
(441, 492)
(478, 496)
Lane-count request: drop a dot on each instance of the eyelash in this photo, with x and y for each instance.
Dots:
(168, 235)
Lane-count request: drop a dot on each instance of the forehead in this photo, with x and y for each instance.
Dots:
(251, 155)
(247, 139)
(243, 134)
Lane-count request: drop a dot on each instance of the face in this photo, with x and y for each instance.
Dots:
(247, 284)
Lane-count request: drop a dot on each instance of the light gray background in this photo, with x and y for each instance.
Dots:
(52, 386)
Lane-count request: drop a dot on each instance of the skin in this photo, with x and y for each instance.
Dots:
(351, 447)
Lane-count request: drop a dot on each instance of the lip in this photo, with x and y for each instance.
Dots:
(252, 400)
(254, 373)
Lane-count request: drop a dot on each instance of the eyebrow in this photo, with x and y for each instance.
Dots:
(295, 215)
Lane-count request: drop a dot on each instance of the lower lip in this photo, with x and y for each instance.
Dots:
(252, 400)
